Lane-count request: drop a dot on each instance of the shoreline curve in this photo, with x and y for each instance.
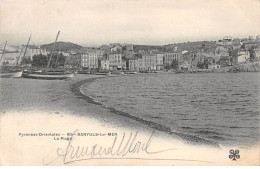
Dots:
(187, 138)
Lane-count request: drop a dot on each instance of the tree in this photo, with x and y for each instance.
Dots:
(167, 67)
(40, 60)
(234, 55)
(252, 53)
(26, 60)
(174, 64)
(200, 65)
(206, 64)
(57, 60)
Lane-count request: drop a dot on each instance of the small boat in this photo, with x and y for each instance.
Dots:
(9, 71)
(48, 75)
(11, 74)
(130, 72)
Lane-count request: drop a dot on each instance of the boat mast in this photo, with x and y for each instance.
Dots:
(27, 46)
(3, 52)
(19, 57)
(53, 50)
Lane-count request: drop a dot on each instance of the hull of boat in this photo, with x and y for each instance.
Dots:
(101, 73)
(84, 72)
(131, 73)
(11, 75)
(48, 77)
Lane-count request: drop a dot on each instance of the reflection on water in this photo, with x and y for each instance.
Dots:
(219, 107)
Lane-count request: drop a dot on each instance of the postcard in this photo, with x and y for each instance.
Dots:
(129, 83)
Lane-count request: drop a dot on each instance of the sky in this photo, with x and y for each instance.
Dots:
(151, 22)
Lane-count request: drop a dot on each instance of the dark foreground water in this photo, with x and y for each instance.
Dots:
(220, 107)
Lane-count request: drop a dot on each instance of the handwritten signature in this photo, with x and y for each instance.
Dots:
(127, 145)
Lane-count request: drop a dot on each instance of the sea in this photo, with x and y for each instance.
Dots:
(219, 107)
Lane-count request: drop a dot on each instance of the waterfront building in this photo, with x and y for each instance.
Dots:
(189, 60)
(159, 61)
(169, 57)
(134, 64)
(243, 56)
(185, 61)
(9, 58)
(150, 61)
(104, 64)
(115, 60)
(89, 59)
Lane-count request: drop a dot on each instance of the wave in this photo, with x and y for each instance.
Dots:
(190, 139)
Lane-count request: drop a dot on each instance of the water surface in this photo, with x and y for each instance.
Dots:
(220, 107)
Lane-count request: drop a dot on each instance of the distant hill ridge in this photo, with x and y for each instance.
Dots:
(61, 46)
(190, 46)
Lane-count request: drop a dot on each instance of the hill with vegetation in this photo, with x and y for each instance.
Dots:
(61, 46)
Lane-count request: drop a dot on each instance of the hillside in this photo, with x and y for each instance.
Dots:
(61, 46)
(192, 46)
(147, 47)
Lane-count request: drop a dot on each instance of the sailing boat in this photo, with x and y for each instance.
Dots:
(50, 74)
(6, 72)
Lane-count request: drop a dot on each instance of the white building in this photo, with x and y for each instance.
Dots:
(89, 59)
(9, 58)
(243, 56)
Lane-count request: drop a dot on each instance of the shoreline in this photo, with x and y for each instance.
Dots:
(187, 138)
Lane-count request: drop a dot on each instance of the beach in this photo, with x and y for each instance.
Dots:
(44, 106)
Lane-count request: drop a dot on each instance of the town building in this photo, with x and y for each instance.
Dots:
(89, 59)
(243, 56)
(134, 64)
(147, 61)
(226, 41)
(104, 64)
(169, 57)
(115, 60)
(128, 51)
(189, 60)
(9, 58)
(151, 61)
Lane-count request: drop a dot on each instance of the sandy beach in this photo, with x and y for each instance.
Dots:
(41, 106)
